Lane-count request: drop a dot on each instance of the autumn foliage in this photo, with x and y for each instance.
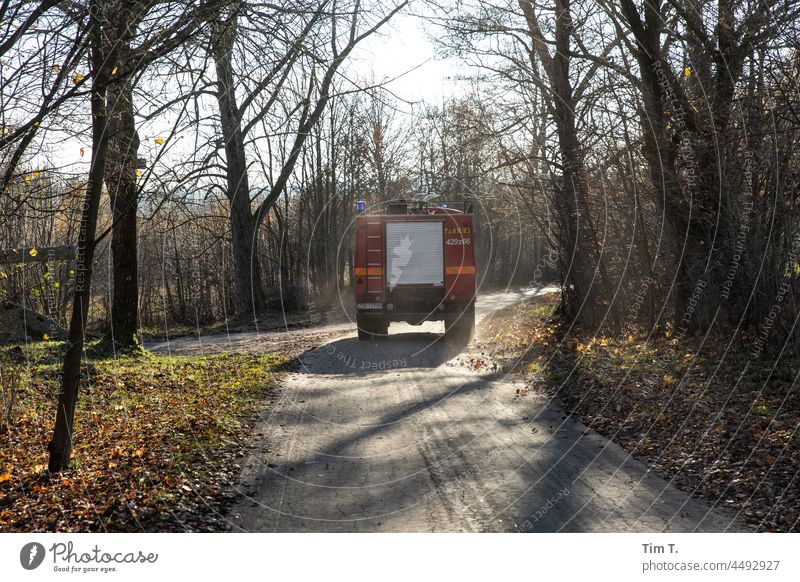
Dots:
(156, 446)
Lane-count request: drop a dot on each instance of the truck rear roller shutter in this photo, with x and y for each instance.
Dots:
(415, 253)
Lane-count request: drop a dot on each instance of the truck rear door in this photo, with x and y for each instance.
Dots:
(414, 253)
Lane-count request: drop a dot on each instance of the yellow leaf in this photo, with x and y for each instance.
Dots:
(113, 71)
(159, 141)
(56, 284)
(72, 271)
(36, 173)
(5, 477)
(138, 452)
(56, 68)
(45, 337)
(686, 72)
(138, 173)
(27, 178)
(33, 252)
(77, 78)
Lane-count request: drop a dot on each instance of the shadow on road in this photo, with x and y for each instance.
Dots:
(425, 464)
(397, 350)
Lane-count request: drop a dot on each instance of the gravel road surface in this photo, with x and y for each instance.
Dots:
(397, 435)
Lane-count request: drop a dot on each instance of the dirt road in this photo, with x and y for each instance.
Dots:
(297, 341)
(395, 435)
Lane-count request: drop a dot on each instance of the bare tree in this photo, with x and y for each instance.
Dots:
(324, 53)
(105, 51)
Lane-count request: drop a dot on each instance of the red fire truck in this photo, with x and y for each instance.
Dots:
(414, 262)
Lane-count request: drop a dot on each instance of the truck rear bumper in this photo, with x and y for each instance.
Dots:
(450, 312)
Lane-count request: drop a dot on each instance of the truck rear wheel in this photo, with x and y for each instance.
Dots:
(372, 329)
(364, 334)
(463, 328)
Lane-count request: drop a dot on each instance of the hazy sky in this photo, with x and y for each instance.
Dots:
(403, 47)
(401, 53)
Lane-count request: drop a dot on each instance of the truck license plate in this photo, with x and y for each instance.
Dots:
(370, 305)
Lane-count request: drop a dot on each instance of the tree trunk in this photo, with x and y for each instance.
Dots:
(248, 294)
(123, 151)
(576, 228)
(60, 445)
(684, 126)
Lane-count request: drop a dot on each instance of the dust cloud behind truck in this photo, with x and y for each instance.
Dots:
(414, 262)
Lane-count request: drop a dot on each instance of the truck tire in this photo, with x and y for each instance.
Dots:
(372, 330)
(364, 334)
(381, 329)
(463, 328)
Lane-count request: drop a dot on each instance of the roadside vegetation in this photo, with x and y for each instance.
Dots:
(266, 321)
(158, 440)
(696, 410)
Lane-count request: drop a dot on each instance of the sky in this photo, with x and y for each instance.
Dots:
(402, 55)
(404, 50)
